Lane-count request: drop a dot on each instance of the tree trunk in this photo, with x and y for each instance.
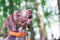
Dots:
(32, 32)
(43, 35)
(11, 6)
(59, 13)
(5, 15)
(10, 12)
(59, 9)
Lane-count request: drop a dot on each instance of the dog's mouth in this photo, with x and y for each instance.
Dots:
(25, 22)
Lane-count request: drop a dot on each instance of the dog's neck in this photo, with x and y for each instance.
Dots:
(21, 30)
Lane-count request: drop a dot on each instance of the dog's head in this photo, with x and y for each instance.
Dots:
(19, 18)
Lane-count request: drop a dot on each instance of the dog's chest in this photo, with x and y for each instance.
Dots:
(21, 30)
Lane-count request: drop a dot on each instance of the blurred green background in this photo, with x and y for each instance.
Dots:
(45, 16)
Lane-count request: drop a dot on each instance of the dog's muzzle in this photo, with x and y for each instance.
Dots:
(17, 34)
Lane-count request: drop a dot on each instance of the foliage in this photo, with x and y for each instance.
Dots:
(47, 14)
(31, 0)
(1, 22)
(43, 3)
(16, 5)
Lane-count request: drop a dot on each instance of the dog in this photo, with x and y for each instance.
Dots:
(16, 23)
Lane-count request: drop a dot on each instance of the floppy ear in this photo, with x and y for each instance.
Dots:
(10, 24)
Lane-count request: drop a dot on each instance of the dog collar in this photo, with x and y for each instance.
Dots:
(17, 34)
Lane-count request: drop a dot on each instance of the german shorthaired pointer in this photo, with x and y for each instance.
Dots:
(16, 23)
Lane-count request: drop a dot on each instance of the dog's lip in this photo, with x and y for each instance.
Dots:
(24, 23)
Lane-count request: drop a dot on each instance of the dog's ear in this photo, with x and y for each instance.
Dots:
(10, 24)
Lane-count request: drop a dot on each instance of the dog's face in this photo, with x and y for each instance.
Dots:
(20, 18)
(23, 18)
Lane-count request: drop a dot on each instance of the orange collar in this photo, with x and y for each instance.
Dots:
(17, 34)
